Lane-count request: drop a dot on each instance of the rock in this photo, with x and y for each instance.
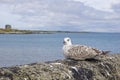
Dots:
(106, 68)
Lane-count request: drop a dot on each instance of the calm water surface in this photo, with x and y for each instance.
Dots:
(17, 49)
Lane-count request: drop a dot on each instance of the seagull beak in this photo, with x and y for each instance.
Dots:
(64, 42)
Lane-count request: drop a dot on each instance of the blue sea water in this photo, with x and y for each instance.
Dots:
(18, 49)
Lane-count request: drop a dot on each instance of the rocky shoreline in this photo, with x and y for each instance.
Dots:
(106, 68)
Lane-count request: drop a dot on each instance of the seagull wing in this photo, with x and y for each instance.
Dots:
(82, 52)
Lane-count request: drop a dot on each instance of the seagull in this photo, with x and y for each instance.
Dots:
(80, 52)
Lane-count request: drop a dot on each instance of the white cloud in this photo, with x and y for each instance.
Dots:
(103, 5)
(78, 15)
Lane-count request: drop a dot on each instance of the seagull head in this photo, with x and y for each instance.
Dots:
(67, 41)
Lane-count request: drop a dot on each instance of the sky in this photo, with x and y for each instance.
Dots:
(67, 15)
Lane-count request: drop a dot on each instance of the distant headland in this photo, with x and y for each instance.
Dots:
(9, 30)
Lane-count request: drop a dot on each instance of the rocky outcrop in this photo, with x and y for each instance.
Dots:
(106, 68)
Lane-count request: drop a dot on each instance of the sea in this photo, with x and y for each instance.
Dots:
(19, 49)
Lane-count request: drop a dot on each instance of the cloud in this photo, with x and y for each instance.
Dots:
(116, 8)
(103, 5)
(62, 15)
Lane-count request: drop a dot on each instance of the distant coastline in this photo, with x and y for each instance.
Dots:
(16, 31)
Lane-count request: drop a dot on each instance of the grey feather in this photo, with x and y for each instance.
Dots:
(83, 52)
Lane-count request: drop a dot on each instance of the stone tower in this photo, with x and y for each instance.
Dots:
(8, 27)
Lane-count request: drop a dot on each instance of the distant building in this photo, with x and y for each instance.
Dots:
(8, 27)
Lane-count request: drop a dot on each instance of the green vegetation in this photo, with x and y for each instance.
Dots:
(9, 30)
(14, 31)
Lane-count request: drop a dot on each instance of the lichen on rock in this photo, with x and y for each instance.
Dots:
(106, 68)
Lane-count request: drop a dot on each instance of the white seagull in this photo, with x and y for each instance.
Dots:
(80, 52)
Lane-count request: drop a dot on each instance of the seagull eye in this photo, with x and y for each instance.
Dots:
(68, 40)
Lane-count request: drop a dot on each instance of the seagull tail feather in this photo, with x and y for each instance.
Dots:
(105, 52)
